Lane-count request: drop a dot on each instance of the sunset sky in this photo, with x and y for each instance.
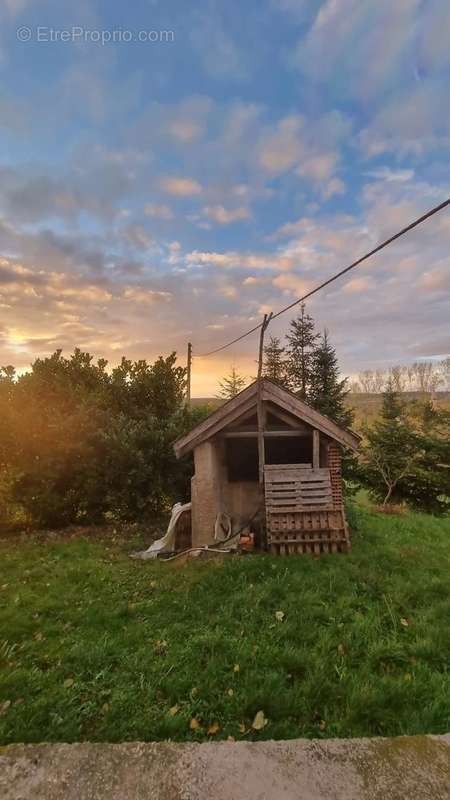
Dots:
(155, 192)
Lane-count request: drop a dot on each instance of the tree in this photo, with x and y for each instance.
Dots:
(391, 449)
(445, 370)
(274, 366)
(398, 376)
(77, 442)
(327, 391)
(372, 381)
(232, 384)
(427, 485)
(426, 377)
(302, 340)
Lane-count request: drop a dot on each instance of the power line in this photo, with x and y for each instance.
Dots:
(356, 263)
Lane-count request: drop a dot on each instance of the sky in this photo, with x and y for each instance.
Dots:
(170, 171)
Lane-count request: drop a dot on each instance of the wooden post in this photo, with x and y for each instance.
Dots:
(260, 407)
(188, 375)
(316, 449)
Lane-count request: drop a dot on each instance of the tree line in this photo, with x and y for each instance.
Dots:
(405, 453)
(426, 377)
(81, 444)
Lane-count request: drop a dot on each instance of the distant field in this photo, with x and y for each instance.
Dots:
(366, 406)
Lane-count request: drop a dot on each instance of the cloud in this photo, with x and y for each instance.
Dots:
(434, 36)
(292, 284)
(435, 280)
(148, 296)
(310, 150)
(181, 187)
(380, 37)
(219, 54)
(225, 216)
(391, 175)
(15, 7)
(318, 167)
(251, 280)
(282, 148)
(158, 211)
(137, 236)
(356, 285)
(334, 186)
(410, 124)
(240, 260)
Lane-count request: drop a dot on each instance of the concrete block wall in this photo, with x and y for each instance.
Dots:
(205, 493)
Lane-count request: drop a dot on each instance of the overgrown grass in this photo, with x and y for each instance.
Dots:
(98, 647)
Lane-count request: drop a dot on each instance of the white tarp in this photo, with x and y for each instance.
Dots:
(167, 542)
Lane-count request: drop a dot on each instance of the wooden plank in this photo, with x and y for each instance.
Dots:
(287, 466)
(267, 434)
(288, 419)
(316, 449)
(292, 404)
(260, 410)
(213, 424)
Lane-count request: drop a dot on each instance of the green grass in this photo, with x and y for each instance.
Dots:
(94, 646)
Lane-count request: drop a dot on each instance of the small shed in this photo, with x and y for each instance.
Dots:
(267, 451)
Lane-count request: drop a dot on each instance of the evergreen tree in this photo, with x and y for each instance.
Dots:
(391, 450)
(231, 384)
(302, 341)
(274, 366)
(327, 393)
(427, 485)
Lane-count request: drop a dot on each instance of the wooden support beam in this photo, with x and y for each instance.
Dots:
(316, 449)
(260, 404)
(266, 434)
(188, 375)
(293, 422)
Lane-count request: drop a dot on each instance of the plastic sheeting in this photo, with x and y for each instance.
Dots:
(167, 542)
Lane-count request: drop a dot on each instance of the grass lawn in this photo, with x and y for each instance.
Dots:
(95, 646)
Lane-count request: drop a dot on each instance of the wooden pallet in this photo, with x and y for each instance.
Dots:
(297, 487)
(300, 516)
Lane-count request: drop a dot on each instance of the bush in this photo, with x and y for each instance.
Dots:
(77, 442)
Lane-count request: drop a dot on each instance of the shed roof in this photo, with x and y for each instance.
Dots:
(246, 400)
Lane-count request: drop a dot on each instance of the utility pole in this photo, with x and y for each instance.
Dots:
(260, 406)
(188, 375)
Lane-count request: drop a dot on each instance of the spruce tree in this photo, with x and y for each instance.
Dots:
(274, 366)
(231, 384)
(392, 449)
(327, 392)
(302, 341)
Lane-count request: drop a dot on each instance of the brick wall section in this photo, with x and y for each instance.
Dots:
(335, 467)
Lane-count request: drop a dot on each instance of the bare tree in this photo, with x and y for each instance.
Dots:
(445, 371)
(355, 387)
(379, 380)
(366, 380)
(398, 375)
(411, 377)
(391, 473)
(427, 376)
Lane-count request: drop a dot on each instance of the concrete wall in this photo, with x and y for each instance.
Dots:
(211, 492)
(205, 493)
